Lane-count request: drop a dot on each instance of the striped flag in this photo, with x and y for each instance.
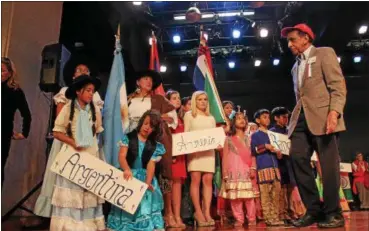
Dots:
(155, 64)
(204, 81)
(115, 108)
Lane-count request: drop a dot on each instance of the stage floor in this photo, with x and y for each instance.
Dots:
(355, 221)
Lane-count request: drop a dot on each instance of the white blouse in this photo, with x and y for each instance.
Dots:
(60, 98)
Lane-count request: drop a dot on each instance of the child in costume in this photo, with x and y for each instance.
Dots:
(74, 208)
(138, 155)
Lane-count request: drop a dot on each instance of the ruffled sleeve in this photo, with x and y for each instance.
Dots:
(123, 142)
(60, 97)
(62, 120)
(99, 103)
(159, 151)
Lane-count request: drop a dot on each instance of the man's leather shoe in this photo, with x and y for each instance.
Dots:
(333, 221)
(305, 221)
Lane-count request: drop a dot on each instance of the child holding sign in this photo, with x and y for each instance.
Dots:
(75, 208)
(239, 168)
(138, 155)
(268, 174)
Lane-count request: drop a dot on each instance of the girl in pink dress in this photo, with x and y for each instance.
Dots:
(239, 170)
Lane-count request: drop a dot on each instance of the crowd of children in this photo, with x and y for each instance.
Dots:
(247, 173)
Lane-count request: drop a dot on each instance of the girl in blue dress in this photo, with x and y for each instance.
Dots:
(138, 155)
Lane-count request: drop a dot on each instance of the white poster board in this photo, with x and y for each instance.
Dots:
(100, 178)
(197, 141)
(280, 142)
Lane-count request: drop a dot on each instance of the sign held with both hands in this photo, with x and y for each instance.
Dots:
(197, 141)
(100, 178)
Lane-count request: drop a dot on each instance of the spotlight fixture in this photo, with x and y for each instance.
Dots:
(137, 3)
(176, 38)
(257, 63)
(183, 67)
(357, 59)
(163, 68)
(231, 64)
(236, 33)
(263, 32)
(276, 62)
(363, 29)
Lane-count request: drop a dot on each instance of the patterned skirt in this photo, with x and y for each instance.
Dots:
(148, 215)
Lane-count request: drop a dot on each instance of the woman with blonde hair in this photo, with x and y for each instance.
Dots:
(12, 99)
(201, 165)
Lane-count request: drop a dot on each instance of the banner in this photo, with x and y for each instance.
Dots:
(197, 141)
(100, 178)
(346, 186)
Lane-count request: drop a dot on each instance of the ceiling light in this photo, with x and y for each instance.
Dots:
(257, 63)
(231, 64)
(263, 32)
(176, 38)
(236, 33)
(276, 62)
(363, 29)
(163, 68)
(357, 59)
(137, 3)
(183, 67)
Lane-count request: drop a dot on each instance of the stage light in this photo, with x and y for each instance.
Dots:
(276, 62)
(163, 68)
(257, 63)
(253, 24)
(206, 36)
(339, 59)
(231, 64)
(207, 15)
(179, 17)
(263, 32)
(236, 33)
(363, 29)
(176, 38)
(150, 41)
(183, 67)
(137, 3)
(357, 59)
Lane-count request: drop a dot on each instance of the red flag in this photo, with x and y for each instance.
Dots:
(204, 50)
(154, 63)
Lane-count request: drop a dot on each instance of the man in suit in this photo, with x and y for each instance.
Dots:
(315, 124)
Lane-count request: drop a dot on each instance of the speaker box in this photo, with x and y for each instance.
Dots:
(54, 58)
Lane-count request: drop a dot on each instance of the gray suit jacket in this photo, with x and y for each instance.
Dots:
(322, 90)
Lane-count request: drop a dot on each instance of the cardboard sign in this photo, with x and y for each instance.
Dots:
(345, 167)
(197, 141)
(100, 178)
(280, 142)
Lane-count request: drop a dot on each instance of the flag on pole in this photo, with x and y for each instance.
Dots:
(115, 107)
(155, 64)
(203, 80)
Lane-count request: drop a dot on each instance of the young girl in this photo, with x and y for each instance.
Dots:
(179, 173)
(201, 164)
(74, 208)
(239, 168)
(138, 155)
(43, 204)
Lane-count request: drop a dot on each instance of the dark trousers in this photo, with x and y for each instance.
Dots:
(6, 140)
(303, 144)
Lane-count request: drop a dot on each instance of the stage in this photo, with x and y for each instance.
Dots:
(355, 221)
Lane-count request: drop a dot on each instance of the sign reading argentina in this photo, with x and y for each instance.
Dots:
(100, 178)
